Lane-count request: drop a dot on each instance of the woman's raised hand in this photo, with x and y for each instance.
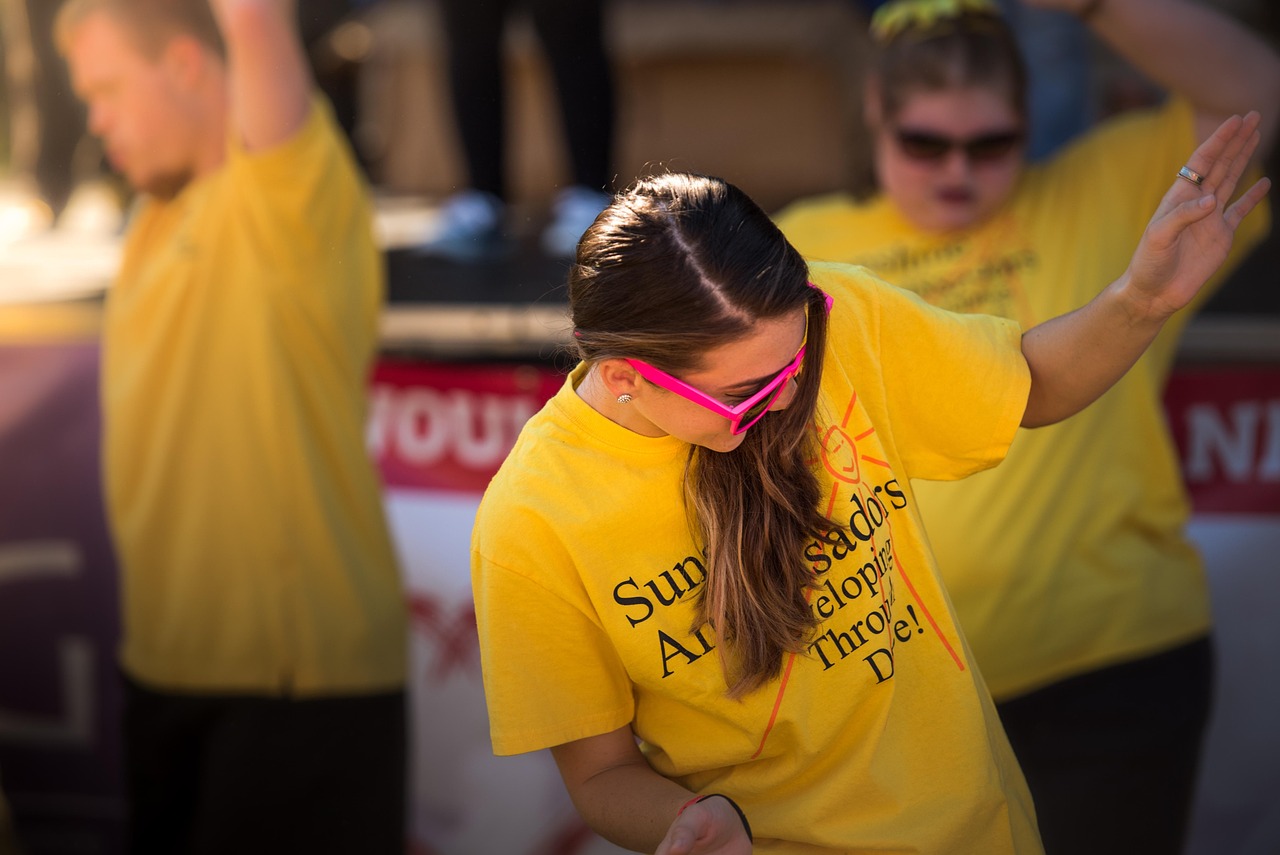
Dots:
(1190, 234)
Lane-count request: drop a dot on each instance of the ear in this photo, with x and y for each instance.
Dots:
(186, 60)
(618, 376)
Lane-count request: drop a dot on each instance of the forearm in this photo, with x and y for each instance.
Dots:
(1076, 357)
(270, 79)
(1200, 53)
(630, 805)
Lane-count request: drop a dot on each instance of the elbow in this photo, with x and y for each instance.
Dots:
(1034, 416)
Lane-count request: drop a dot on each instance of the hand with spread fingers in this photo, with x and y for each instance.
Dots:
(1076, 357)
(1190, 234)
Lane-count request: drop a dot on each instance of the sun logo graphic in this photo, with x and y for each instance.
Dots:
(844, 453)
(840, 455)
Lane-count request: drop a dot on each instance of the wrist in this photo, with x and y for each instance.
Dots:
(1137, 308)
(746, 826)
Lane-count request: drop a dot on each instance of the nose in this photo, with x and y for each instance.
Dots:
(956, 164)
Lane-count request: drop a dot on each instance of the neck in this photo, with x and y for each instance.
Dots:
(213, 108)
(598, 397)
(593, 391)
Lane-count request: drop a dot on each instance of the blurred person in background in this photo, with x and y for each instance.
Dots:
(473, 222)
(1058, 55)
(701, 578)
(1069, 565)
(264, 629)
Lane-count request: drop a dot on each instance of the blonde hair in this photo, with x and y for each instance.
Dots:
(929, 45)
(152, 23)
(899, 16)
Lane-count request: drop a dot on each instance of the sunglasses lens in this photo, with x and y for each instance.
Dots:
(759, 408)
(932, 147)
(993, 147)
(920, 146)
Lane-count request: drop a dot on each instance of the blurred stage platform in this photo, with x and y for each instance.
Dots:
(515, 307)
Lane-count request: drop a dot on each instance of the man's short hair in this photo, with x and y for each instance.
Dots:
(152, 22)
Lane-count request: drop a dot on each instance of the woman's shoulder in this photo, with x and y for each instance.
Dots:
(1125, 145)
(1106, 182)
(846, 281)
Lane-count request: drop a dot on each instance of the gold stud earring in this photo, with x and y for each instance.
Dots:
(624, 399)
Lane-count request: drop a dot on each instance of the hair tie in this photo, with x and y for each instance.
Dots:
(897, 16)
(746, 826)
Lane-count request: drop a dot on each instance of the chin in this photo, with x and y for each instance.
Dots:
(164, 186)
(723, 443)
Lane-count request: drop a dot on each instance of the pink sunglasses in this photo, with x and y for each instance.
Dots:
(741, 416)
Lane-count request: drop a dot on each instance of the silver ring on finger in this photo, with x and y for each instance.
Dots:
(1191, 175)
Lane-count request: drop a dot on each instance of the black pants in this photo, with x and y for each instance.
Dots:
(572, 36)
(240, 774)
(1111, 757)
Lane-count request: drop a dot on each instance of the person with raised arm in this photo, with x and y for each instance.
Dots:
(1069, 565)
(264, 623)
(701, 576)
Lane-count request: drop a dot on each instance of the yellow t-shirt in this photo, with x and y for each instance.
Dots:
(246, 513)
(1072, 554)
(881, 737)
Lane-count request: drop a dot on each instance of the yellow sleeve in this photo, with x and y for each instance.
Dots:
(560, 677)
(954, 386)
(307, 191)
(307, 207)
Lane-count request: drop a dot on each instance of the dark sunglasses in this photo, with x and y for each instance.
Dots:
(986, 148)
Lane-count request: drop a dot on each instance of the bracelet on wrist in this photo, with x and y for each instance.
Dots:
(742, 816)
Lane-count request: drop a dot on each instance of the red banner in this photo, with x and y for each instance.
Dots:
(439, 426)
(1226, 422)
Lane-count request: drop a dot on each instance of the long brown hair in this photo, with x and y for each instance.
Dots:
(677, 265)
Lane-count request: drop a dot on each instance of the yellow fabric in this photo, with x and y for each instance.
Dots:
(1072, 554)
(246, 513)
(885, 739)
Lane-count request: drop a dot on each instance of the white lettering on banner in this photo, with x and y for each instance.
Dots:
(52, 560)
(381, 404)
(1269, 466)
(423, 426)
(1244, 443)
